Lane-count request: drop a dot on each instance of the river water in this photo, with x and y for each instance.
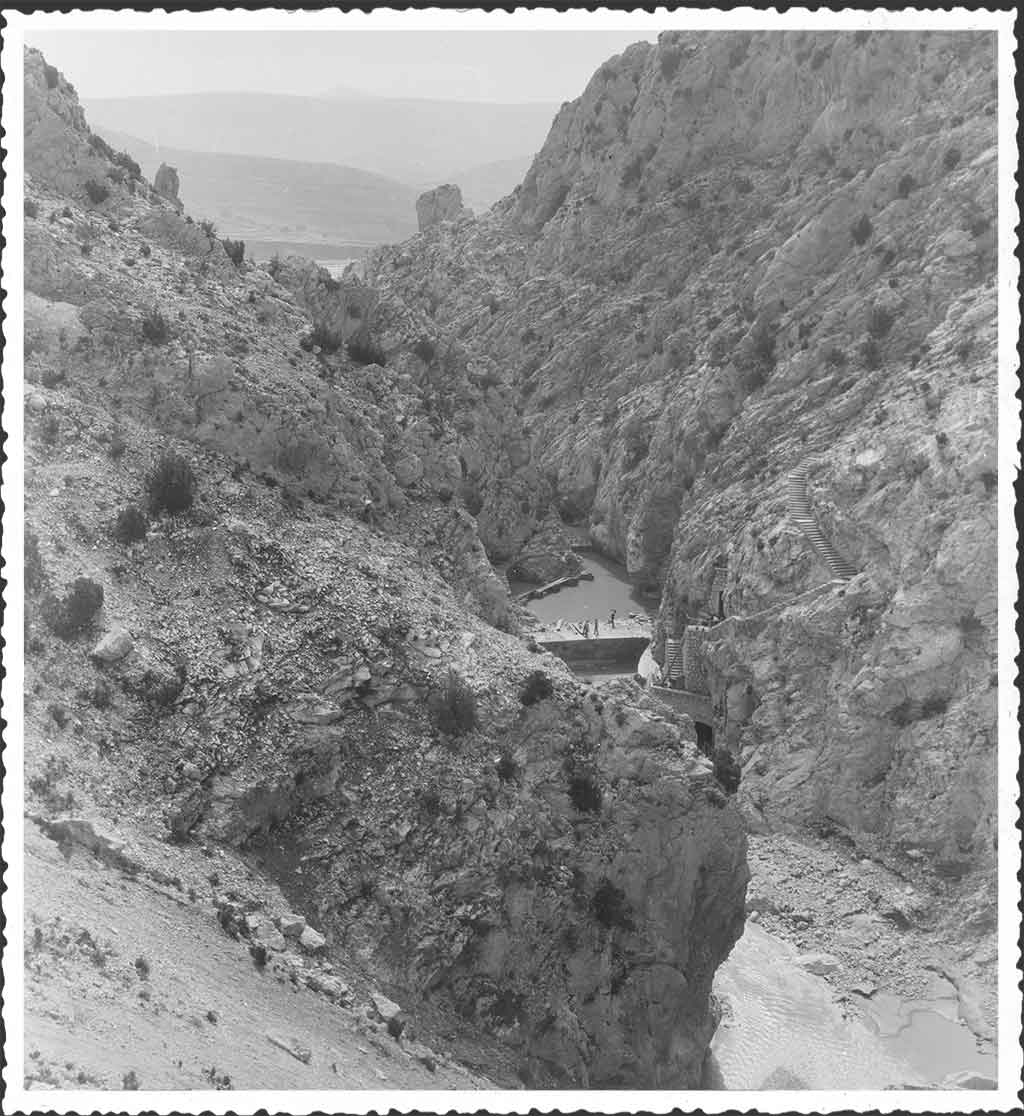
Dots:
(590, 600)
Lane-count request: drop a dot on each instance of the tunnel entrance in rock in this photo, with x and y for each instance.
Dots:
(705, 737)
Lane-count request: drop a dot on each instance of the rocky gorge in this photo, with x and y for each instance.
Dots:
(273, 681)
(738, 259)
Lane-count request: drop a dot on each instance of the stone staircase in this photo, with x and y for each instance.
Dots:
(798, 504)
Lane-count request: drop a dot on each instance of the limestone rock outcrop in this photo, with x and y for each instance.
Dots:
(547, 555)
(738, 254)
(443, 203)
(167, 186)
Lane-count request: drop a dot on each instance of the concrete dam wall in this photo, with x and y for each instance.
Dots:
(591, 654)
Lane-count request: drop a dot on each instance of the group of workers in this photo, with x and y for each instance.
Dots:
(584, 628)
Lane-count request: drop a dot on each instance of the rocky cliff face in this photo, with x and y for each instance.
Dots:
(560, 866)
(737, 255)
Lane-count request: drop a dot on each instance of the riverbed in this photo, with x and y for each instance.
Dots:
(784, 1028)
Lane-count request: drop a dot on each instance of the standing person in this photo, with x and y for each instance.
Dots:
(586, 629)
(596, 632)
(611, 618)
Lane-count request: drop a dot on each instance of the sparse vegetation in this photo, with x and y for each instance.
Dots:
(132, 525)
(585, 792)
(424, 349)
(727, 770)
(508, 769)
(235, 250)
(209, 229)
(155, 327)
(453, 705)
(31, 208)
(365, 352)
(171, 484)
(880, 321)
(52, 76)
(76, 611)
(870, 354)
(536, 688)
(861, 229)
(610, 907)
(951, 159)
(98, 193)
(907, 185)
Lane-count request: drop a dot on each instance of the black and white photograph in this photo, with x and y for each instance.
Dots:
(509, 561)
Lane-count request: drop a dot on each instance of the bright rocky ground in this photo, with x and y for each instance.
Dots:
(736, 255)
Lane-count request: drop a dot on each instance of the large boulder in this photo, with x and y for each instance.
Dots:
(443, 203)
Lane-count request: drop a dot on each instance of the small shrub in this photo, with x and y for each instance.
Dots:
(536, 688)
(31, 208)
(101, 696)
(861, 37)
(58, 713)
(951, 159)
(155, 327)
(453, 706)
(585, 793)
(610, 906)
(131, 526)
(52, 76)
(325, 338)
(727, 770)
(907, 185)
(861, 229)
(424, 349)
(209, 229)
(880, 321)
(670, 59)
(76, 612)
(171, 484)
(145, 251)
(365, 352)
(259, 955)
(98, 193)
(835, 357)
(508, 769)
(130, 1080)
(142, 968)
(235, 250)
(870, 354)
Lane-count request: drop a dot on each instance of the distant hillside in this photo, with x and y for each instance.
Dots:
(414, 141)
(484, 184)
(280, 199)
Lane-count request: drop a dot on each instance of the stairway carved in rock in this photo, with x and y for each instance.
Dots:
(798, 505)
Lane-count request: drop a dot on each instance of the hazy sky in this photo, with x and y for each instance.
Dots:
(507, 66)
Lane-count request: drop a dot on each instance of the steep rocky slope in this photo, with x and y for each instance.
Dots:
(291, 668)
(739, 255)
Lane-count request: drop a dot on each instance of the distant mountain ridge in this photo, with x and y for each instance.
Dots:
(280, 199)
(418, 142)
